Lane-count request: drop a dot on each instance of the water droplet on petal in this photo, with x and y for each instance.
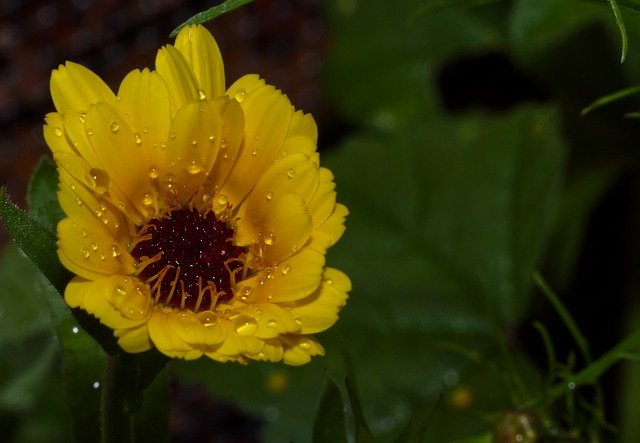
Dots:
(328, 281)
(291, 172)
(137, 138)
(194, 142)
(269, 195)
(201, 94)
(78, 201)
(245, 324)
(241, 94)
(223, 144)
(98, 179)
(94, 246)
(103, 257)
(207, 318)
(297, 321)
(272, 324)
(145, 129)
(305, 344)
(89, 132)
(254, 151)
(147, 199)
(194, 166)
(172, 134)
(154, 172)
(222, 199)
(163, 145)
(212, 136)
(85, 254)
(83, 117)
(269, 238)
(84, 233)
(285, 270)
(120, 291)
(57, 131)
(116, 250)
(115, 126)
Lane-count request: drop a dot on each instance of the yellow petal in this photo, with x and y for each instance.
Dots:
(230, 141)
(195, 329)
(127, 165)
(330, 231)
(94, 297)
(268, 320)
(319, 311)
(163, 336)
(292, 279)
(177, 74)
(85, 248)
(298, 349)
(296, 174)
(134, 340)
(143, 99)
(267, 115)
(202, 54)
(74, 88)
(235, 344)
(191, 151)
(324, 200)
(303, 125)
(271, 351)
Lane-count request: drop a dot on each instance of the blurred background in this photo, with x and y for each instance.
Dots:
(455, 133)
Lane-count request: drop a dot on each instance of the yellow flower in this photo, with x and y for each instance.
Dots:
(197, 219)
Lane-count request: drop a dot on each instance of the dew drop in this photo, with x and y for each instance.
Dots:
(121, 206)
(222, 199)
(223, 144)
(137, 138)
(120, 291)
(212, 136)
(246, 291)
(96, 385)
(85, 253)
(145, 129)
(83, 117)
(286, 269)
(57, 131)
(269, 238)
(206, 198)
(207, 318)
(154, 172)
(163, 145)
(201, 94)
(102, 257)
(269, 196)
(297, 321)
(115, 126)
(328, 281)
(254, 151)
(245, 325)
(147, 199)
(195, 166)
(116, 250)
(75, 329)
(84, 233)
(571, 385)
(272, 324)
(241, 94)
(194, 142)
(291, 172)
(305, 344)
(98, 179)
(89, 131)
(94, 247)
(78, 201)
(172, 134)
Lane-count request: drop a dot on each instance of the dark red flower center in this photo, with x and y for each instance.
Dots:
(188, 259)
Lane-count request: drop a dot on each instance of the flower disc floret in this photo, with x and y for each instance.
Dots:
(197, 218)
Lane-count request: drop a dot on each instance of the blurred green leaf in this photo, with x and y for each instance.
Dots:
(211, 13)
(416, 428)
(362, 432)
(329, 425)
(615, 96)
(35, 239)
(42, 197)
(623, 32)
(384, 78)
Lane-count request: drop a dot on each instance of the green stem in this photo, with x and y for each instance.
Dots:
(118, 386)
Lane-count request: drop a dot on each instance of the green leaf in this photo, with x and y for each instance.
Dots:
(212, 13)
(620, 24)
(615, 96)
(362, 432)
(42, 197)
(416, 428)
(329, 425)
(36, 241)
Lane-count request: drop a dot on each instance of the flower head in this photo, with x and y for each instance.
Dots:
(197, 218)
